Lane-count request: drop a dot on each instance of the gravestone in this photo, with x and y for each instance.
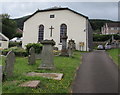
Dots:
(55, 76)
(71, 47)
(64, 51)
(31, 57)
(31, 84)
(47, 55)
(9, 64)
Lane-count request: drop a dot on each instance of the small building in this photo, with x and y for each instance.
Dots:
(4, 41)
(111, 28)
(55, 22)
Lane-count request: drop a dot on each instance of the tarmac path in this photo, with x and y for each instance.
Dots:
(96, 74)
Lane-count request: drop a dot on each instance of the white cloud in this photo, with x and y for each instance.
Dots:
(91, 9)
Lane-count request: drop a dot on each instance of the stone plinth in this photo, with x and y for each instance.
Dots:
(47, 55)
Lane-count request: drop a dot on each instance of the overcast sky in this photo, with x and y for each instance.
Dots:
(94, 10)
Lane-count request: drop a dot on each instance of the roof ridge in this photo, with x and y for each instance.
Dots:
(55, 9)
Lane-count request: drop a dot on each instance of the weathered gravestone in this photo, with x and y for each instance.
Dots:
(55, 76)
(9, 64)
(64, 51)
(71, 47)
(31, 84)
(47, 55)
(31, 57)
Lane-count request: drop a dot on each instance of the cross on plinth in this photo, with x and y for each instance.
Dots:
(51, 28)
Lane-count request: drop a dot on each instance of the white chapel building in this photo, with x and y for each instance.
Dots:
(52, 23)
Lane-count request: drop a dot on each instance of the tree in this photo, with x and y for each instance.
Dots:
(8, 26)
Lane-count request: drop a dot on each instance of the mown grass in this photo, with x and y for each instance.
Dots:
(0, 58)
(114, 53)
(65, 65)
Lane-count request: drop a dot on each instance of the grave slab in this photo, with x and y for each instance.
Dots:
(55, 76)
(31, 84)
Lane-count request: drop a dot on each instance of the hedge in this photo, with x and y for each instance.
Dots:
(13, 44)
(16, 50)
(98, 37)
(36, 46)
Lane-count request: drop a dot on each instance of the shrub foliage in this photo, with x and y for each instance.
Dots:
(102, 38)
(17, 50)
(36, 46)
(13, 44)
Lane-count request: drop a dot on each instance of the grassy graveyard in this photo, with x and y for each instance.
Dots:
(65, 65)
(114, 54)
(0, 60)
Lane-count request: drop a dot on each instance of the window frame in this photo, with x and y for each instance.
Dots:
(52, 16)
(41, 33)
(63, 31)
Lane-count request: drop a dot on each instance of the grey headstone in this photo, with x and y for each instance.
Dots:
(31, 57)
(47, 55)
(9, 66)
(70, 47)
(55, 76)
(64, 51)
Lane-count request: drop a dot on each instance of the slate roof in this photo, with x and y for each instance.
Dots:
(55, 9)
(113, 24)
(3, 37)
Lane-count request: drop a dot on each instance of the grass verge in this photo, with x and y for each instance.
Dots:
(114, 53)
(65, 65)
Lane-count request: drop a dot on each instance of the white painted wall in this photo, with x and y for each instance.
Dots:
(4, 44)
(76, 25)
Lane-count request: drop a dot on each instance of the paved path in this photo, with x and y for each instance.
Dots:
(97, 74)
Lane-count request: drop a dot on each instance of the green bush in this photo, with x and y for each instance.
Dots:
(36, 46)
(16, 50)
(102, 38)
(13, 44)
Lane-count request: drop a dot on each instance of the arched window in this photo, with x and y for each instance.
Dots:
(41, 33)
(63, 31)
